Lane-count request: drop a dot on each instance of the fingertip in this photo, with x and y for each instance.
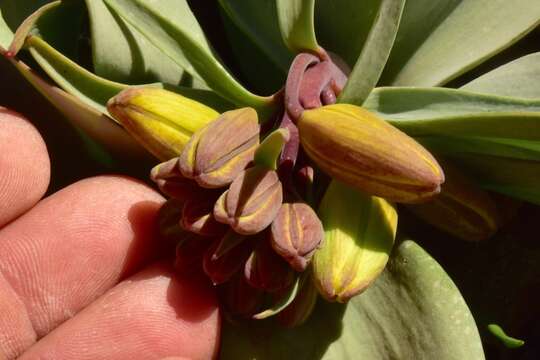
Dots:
(24, 165)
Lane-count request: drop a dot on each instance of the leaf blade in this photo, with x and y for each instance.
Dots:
(185, 44)
(441, 39)
(372, 59)
(296, 22)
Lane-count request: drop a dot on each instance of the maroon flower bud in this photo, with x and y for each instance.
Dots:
(252, 201)
(241, 298)
(217, 153)
(266, 270)
(171, 182)
(220, 267)
(197, 217)
(296, 233)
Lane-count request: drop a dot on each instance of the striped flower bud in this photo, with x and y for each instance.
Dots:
(266, 270)
(252, 201)
(197, 217)
(216, 154)
(171, 182)
(461, 209)
(220, 267)
(296, 233)
(162, 121)
(356, 147)
(359, 235)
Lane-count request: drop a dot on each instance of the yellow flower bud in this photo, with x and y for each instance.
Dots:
(162, 121)
(356, 147)
(359, 235)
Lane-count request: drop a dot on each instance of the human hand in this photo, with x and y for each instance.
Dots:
(78, 271)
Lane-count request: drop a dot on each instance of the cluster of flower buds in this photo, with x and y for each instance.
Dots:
(245, 201)
(242, 224)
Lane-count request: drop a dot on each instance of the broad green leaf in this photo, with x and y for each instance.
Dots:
(121, 53)
(92, 122)
(439, 40)
(413, 311)
(269, 150)
(186, 44)
(440, 111)
(259, 21)
(519, 78)
(296, 22)
(372, 59)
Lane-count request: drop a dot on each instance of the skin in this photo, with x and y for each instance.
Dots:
(82, 275)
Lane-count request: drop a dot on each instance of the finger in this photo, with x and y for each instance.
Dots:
(16, 332)
(24, 166)
(76, 244)
(149, 316)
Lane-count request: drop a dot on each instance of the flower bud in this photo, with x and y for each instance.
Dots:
(198, 218)
(221, 267)
(266, 270)
(296, 233)
(252, 201)
(359, 235)
(171, 182)
(461, 209)
(162, 121)
(356, 147)
(242, 299)
(302, 306)
(216, 154)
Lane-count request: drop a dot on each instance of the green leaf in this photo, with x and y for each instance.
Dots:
(122, 54)
(439, 40)
(259, 21)
(519, 78)
(440, 111)
(6, 35)
(413, 311)
(508, 341)
(84, 117)
(296, 22)
(186, 44)
(27, 25)
(337, 20)
(268, 152)
(496, 139)
(279, 306)
(15, 11)
(372, 59)
(96, 91)
(91, 89)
